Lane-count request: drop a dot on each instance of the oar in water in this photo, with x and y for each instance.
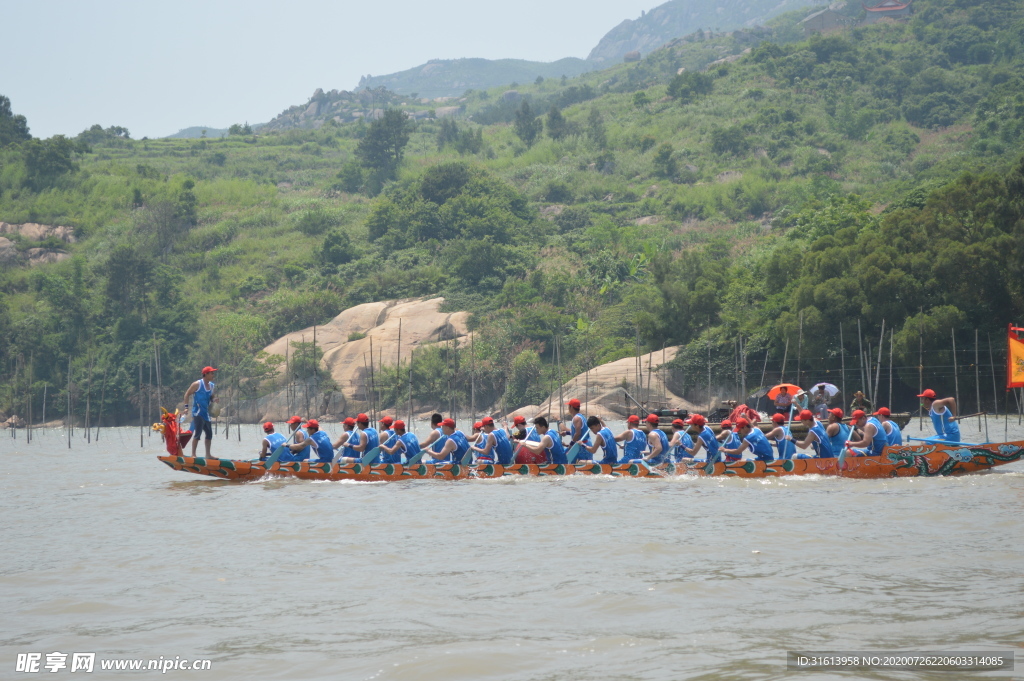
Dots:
(939, 440)
(370, 456)
(573, 452)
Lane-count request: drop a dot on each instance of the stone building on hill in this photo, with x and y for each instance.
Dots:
(823, 21)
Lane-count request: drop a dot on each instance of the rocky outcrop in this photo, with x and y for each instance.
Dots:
(608, 384)
(32, 231)
(422, 322)
(35, 232)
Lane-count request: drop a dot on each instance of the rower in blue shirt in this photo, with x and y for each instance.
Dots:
(294, 452)
(943, 415)
(893, 434)
(657, 442)
(550, 444)
(577, 430)
(816, 438)
(431, 443)
(752, 440)
(728, 440)
(874, 441)
(601, 439)
(271, 441)
(320, 440)
(455, 444)
(634, 441)
(202, 396)
(838, 432)
(706, 439)
(680, 442)
(402, 444)
(782, 437)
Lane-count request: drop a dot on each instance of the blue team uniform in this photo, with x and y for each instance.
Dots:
(324, 448)
(503, 447)
(785, 445)
(732, 442)
(944, 428)
(201, 399)
(707, 436)
(878, 442)
(823, 444)
(840, 439)
(685, 441)
(301, 455)
(759, 445)
(895, 436)
(610, 447)
(556, 452)
(275, 440)
(634, 447)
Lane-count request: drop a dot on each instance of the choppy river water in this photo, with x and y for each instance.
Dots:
(107, 550)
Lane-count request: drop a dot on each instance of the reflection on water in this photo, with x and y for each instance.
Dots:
(107, 550)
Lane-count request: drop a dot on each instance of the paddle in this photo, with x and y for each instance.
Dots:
(415, 459)
(272, 459)
(467, 458)
(573, 452)
(939, 440)
(370, 456)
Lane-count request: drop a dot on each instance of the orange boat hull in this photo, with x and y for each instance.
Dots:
(926, 460)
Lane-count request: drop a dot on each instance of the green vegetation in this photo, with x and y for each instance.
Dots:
(872, 174)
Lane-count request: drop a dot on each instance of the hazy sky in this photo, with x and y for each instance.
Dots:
(157, 67)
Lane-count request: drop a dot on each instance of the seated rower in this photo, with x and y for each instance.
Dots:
(893, 434)
(348, 441)
(478, 428)
(705, 439)
(386, 431)
(657, 442)
(402, 444)
(294, 452)
(752, 440)
(873, 442)
(838, 432)
(601, 438)
(320, 440)
(577, 429)
(782, 437)
(455, 445)
(634, 441)
(435, 433)
(518, 431)
(816, 437)
(347, 426)
(271, 441)
(728, 440)
(549, 449)
(943, 415)
(680, 441)
(493, 445)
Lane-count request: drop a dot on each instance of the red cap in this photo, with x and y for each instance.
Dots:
(696, 420)
(652, 419)
(779, 418)
(210, 370)
(267, 427)
(386, 421)
(349, 422)
(486, 421)
(294, 419)
(883, 411)
(678, 423)
(857, 416)
(399, 424)
(313, 423)
(742, 423)
(517, 419)
(838, 413)
(928, 394)
(574, 403)
(805, 415)
(726, 424)
(449, 423)
(478, 425)
(362, 418)
(633, 418)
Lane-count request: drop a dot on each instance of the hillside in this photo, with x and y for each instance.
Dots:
(452, 77)
(769, 194)
(678, 18)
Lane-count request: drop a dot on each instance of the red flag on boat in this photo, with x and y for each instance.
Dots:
(1014, 357)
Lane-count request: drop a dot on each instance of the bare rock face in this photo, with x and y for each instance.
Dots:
(43, 256)
(37, 232)
(607, 383)
(8, 251)
(633, 56)
(421, 320)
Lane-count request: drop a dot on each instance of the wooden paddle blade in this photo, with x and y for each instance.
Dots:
(370, 456)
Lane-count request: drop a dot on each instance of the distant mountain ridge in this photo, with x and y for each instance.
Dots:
(452, 77)
(677, 18)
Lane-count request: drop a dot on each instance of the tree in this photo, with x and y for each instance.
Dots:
(47, 160)
(237, 129)
(527, 126)
(641, 100)
(383, 147)
(13, 129)
(558, 127)
(664, 161)
(689, 85)
(595, 128)
(336, 249)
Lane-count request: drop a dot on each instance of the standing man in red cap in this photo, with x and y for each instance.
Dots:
(577, 429)
(942, 413)
(203, 392)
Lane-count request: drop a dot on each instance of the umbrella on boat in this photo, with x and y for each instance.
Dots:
(830, 389)
(774, 392)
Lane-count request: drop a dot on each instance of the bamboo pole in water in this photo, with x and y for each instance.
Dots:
(141, 416)
(842, 359)
(878, 366)
(88, 402)
(764, 374)
(412, 352)
(70, 429)
(860, 353)
(149, 391)
(956, 376)
(398, 372)
(920, 371)
(472, 377)
(977, 380)
(709, 379)
(800, 350)
(992, 361)
(785, 356)
(891, 342)
(103, 398)
(45, 386)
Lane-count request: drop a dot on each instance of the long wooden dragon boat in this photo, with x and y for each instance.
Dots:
(926, 460)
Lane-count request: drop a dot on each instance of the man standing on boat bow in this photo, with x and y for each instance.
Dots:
(942, 413)
(202, 397)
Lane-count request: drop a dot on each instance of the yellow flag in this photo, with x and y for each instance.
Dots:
(1015, 358)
